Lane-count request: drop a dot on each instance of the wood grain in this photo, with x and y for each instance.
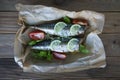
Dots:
(8, 22)
(13, 71)
(111, 44)
(110, 37)
(97, 5)
(6, 45)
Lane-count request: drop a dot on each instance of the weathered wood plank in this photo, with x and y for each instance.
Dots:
(8, 22)
(6, 45)
(14, 71)
(97, 5)
(111, 43)
(112, 23)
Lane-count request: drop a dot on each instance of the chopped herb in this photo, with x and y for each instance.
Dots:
(43, 54)
(66, 19)
(49, 56)
(46, 55)
(32, 43)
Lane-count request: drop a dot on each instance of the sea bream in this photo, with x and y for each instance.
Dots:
(71, 45)
(61, 29)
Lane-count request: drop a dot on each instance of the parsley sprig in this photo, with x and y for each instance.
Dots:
(46, 55)
(83, 49)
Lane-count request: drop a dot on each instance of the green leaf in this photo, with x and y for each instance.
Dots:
(66, 19)
(38, 41)
(46, 55)
(43, 54)
(83, 49)
(32, 43)
(49, 52)
(49, 56)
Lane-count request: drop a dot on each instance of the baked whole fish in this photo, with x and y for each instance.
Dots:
(64, 45)
(61, 29)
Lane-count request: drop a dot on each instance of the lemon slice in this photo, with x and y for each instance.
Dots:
(74, 29)
(55, 44)
(59, 27)
(73, 45)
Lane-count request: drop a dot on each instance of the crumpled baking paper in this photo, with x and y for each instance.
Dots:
(37, 14)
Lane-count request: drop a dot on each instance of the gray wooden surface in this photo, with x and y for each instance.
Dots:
(110, 37)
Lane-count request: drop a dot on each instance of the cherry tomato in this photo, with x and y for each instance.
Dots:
(75, 21)
(58, 55)
(80, 21)
(37, 35)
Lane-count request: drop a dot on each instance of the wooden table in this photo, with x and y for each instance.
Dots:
(110, 37)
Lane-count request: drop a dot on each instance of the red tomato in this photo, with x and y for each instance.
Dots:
(75, 21)
(58, 55)
(37, 35)
(80, 21)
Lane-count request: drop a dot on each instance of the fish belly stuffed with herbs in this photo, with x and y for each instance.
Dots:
(56, 40)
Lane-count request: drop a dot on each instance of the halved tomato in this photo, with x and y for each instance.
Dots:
(37, 35)
(80, 21)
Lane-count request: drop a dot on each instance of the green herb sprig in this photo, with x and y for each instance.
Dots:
(66, 19)
(46, 55)
(33, 42)
(83, 49)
